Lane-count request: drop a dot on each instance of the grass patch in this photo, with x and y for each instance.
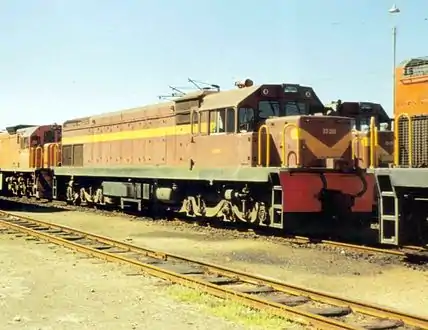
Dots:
(230, 310)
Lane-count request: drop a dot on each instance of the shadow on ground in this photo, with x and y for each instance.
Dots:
(12, 206)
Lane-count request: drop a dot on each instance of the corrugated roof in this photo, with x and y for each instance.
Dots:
(225, 99)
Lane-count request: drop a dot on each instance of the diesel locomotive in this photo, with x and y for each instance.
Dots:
(403, 187)
(266, 155)
(370, 122)
(270, 155)
(254, 154)
(27, 155)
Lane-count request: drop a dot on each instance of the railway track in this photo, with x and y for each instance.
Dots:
(317, 309)
(412, 254)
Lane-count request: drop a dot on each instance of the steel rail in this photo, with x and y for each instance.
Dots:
(90, 244)
(403, 251)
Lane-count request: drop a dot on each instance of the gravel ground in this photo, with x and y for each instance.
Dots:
(43, 286)
(356, 276)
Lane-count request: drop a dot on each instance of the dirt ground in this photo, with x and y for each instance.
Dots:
(388, 284)
(44, 286)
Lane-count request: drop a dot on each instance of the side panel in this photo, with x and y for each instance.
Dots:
(246, 174)
(302, 191)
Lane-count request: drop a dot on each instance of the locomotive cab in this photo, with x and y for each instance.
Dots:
(287, 115)
(274, 125)
(275, 101)
(362, 113)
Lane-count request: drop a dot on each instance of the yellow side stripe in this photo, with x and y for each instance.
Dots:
(130, 135)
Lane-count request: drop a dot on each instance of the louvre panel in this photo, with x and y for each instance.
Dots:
(419, 141)
(67, 155)
(78, 155)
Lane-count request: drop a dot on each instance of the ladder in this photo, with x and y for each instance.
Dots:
(276, 211)
(389, 211)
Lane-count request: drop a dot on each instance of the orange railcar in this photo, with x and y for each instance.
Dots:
(27, 153)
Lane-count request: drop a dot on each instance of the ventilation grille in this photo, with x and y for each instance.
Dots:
(419, 147)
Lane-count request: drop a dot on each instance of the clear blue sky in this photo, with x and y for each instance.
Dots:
(63, 59)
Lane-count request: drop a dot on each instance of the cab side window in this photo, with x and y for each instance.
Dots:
(24, 143)
(35, 141)
(222, 121)
(246, 120)
(195, 122)
(49, 136)
(295, 108)
(268, 109)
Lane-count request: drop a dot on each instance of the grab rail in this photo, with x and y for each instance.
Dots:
(396, 139)
(259, 145)
(284, 149)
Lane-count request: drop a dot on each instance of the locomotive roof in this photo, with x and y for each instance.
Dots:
(27, 132)
(211, 100)
(14, 129)
(229, 98)
(374, 109)
(195, 95)
(117, 112)
(414, 61)
(158, 105)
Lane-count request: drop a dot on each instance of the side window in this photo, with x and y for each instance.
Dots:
(295, 108)
(353, 123)
(222, 121)
(245, 120)
(204, 120)
(218, 118)
(230, 120)
(49, 136)
(35, 141)
(364, 124)
(268, 109)
(24, 143)
(195, 122)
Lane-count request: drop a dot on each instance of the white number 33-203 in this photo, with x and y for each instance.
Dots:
(328, 131)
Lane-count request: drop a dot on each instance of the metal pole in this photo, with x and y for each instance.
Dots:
(394, 52)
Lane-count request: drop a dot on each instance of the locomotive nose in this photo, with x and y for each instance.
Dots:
(336, 203)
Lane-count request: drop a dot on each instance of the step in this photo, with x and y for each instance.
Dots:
(388, 217)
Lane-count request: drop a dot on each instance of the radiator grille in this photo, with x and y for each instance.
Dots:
(419, 145)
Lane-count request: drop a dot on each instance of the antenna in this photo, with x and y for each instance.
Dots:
(178, 93)
(170, 96)
(175, 89)
(196, 83)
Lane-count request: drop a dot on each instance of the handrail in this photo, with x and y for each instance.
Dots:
(259, 145)
(396, 141)
(38, 162)
(284, 154)
(50, 155)
(32, 157)
(53, 151)
(353, 153)
(373, 143)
